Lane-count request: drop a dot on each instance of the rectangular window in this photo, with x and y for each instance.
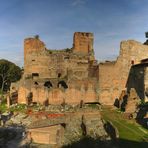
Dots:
(35, 74)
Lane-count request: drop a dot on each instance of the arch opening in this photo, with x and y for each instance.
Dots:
(36, 83)
(48, 84)
(63, 84)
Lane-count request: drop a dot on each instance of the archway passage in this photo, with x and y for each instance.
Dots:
(36, 83)
(30, 98)
(63, 84)
(48, 84)
(35, 75)
(59, 75)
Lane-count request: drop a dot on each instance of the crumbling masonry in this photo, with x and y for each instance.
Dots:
(73, 76)
(59, 76)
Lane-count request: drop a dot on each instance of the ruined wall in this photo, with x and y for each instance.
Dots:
(71, 73)
(109, 85)
(136, 80)
(73, 129)
(113, 78)
(83, 42)
(47, 135)
(50, 63)
(146, 83)
(77, 68)
(74, 94)
(32, 45)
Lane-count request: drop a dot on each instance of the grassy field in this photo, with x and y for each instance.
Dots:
(3, 107)
(131, 134)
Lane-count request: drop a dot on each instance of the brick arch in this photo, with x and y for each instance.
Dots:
(63, 84)
(48, 84)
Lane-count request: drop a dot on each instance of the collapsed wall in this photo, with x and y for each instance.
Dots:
(59, 76)
(138, 79)
(73, 75)
(113, 76)
(69, 128)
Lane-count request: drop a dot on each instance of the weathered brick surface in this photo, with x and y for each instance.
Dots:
(83, 42)
(132, 102)
(50, 131)
(113, 76)
(83, 78)
(47, 135)
(75, 67)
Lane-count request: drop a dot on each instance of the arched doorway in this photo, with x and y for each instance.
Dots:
(63, 84)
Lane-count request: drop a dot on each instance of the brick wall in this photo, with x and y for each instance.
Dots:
(113, 76)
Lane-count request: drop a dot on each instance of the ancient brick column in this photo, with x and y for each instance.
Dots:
(83, 42)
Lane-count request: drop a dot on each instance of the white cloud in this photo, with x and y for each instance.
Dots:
(78, 2)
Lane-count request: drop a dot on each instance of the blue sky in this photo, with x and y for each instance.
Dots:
(55, 21)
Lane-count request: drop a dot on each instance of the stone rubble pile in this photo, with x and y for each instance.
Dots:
(87, 124)
(133, 102)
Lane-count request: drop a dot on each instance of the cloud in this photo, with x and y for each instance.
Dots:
(78, 2)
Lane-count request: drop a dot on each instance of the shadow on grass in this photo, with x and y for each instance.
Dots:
(88, 142)
(141, 114)
(11, 135)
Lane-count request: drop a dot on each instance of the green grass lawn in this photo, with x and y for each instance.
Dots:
(3, 107)
(131, 134)
(17, 108)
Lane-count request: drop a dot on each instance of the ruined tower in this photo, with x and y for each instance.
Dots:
(57, 76)
(83, 42)
(32, 45)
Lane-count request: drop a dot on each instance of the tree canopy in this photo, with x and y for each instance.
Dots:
(9, 72)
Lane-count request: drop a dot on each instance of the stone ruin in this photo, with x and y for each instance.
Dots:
(117, 76)
(58, 76)
(72, 76)
(129, 103)
(133, 101)
(69, 128)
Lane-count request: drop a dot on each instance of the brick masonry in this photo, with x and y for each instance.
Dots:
(73, 75)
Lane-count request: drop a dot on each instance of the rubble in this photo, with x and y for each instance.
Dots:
(133, 101)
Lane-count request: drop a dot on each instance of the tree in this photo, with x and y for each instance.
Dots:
(9, 72)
